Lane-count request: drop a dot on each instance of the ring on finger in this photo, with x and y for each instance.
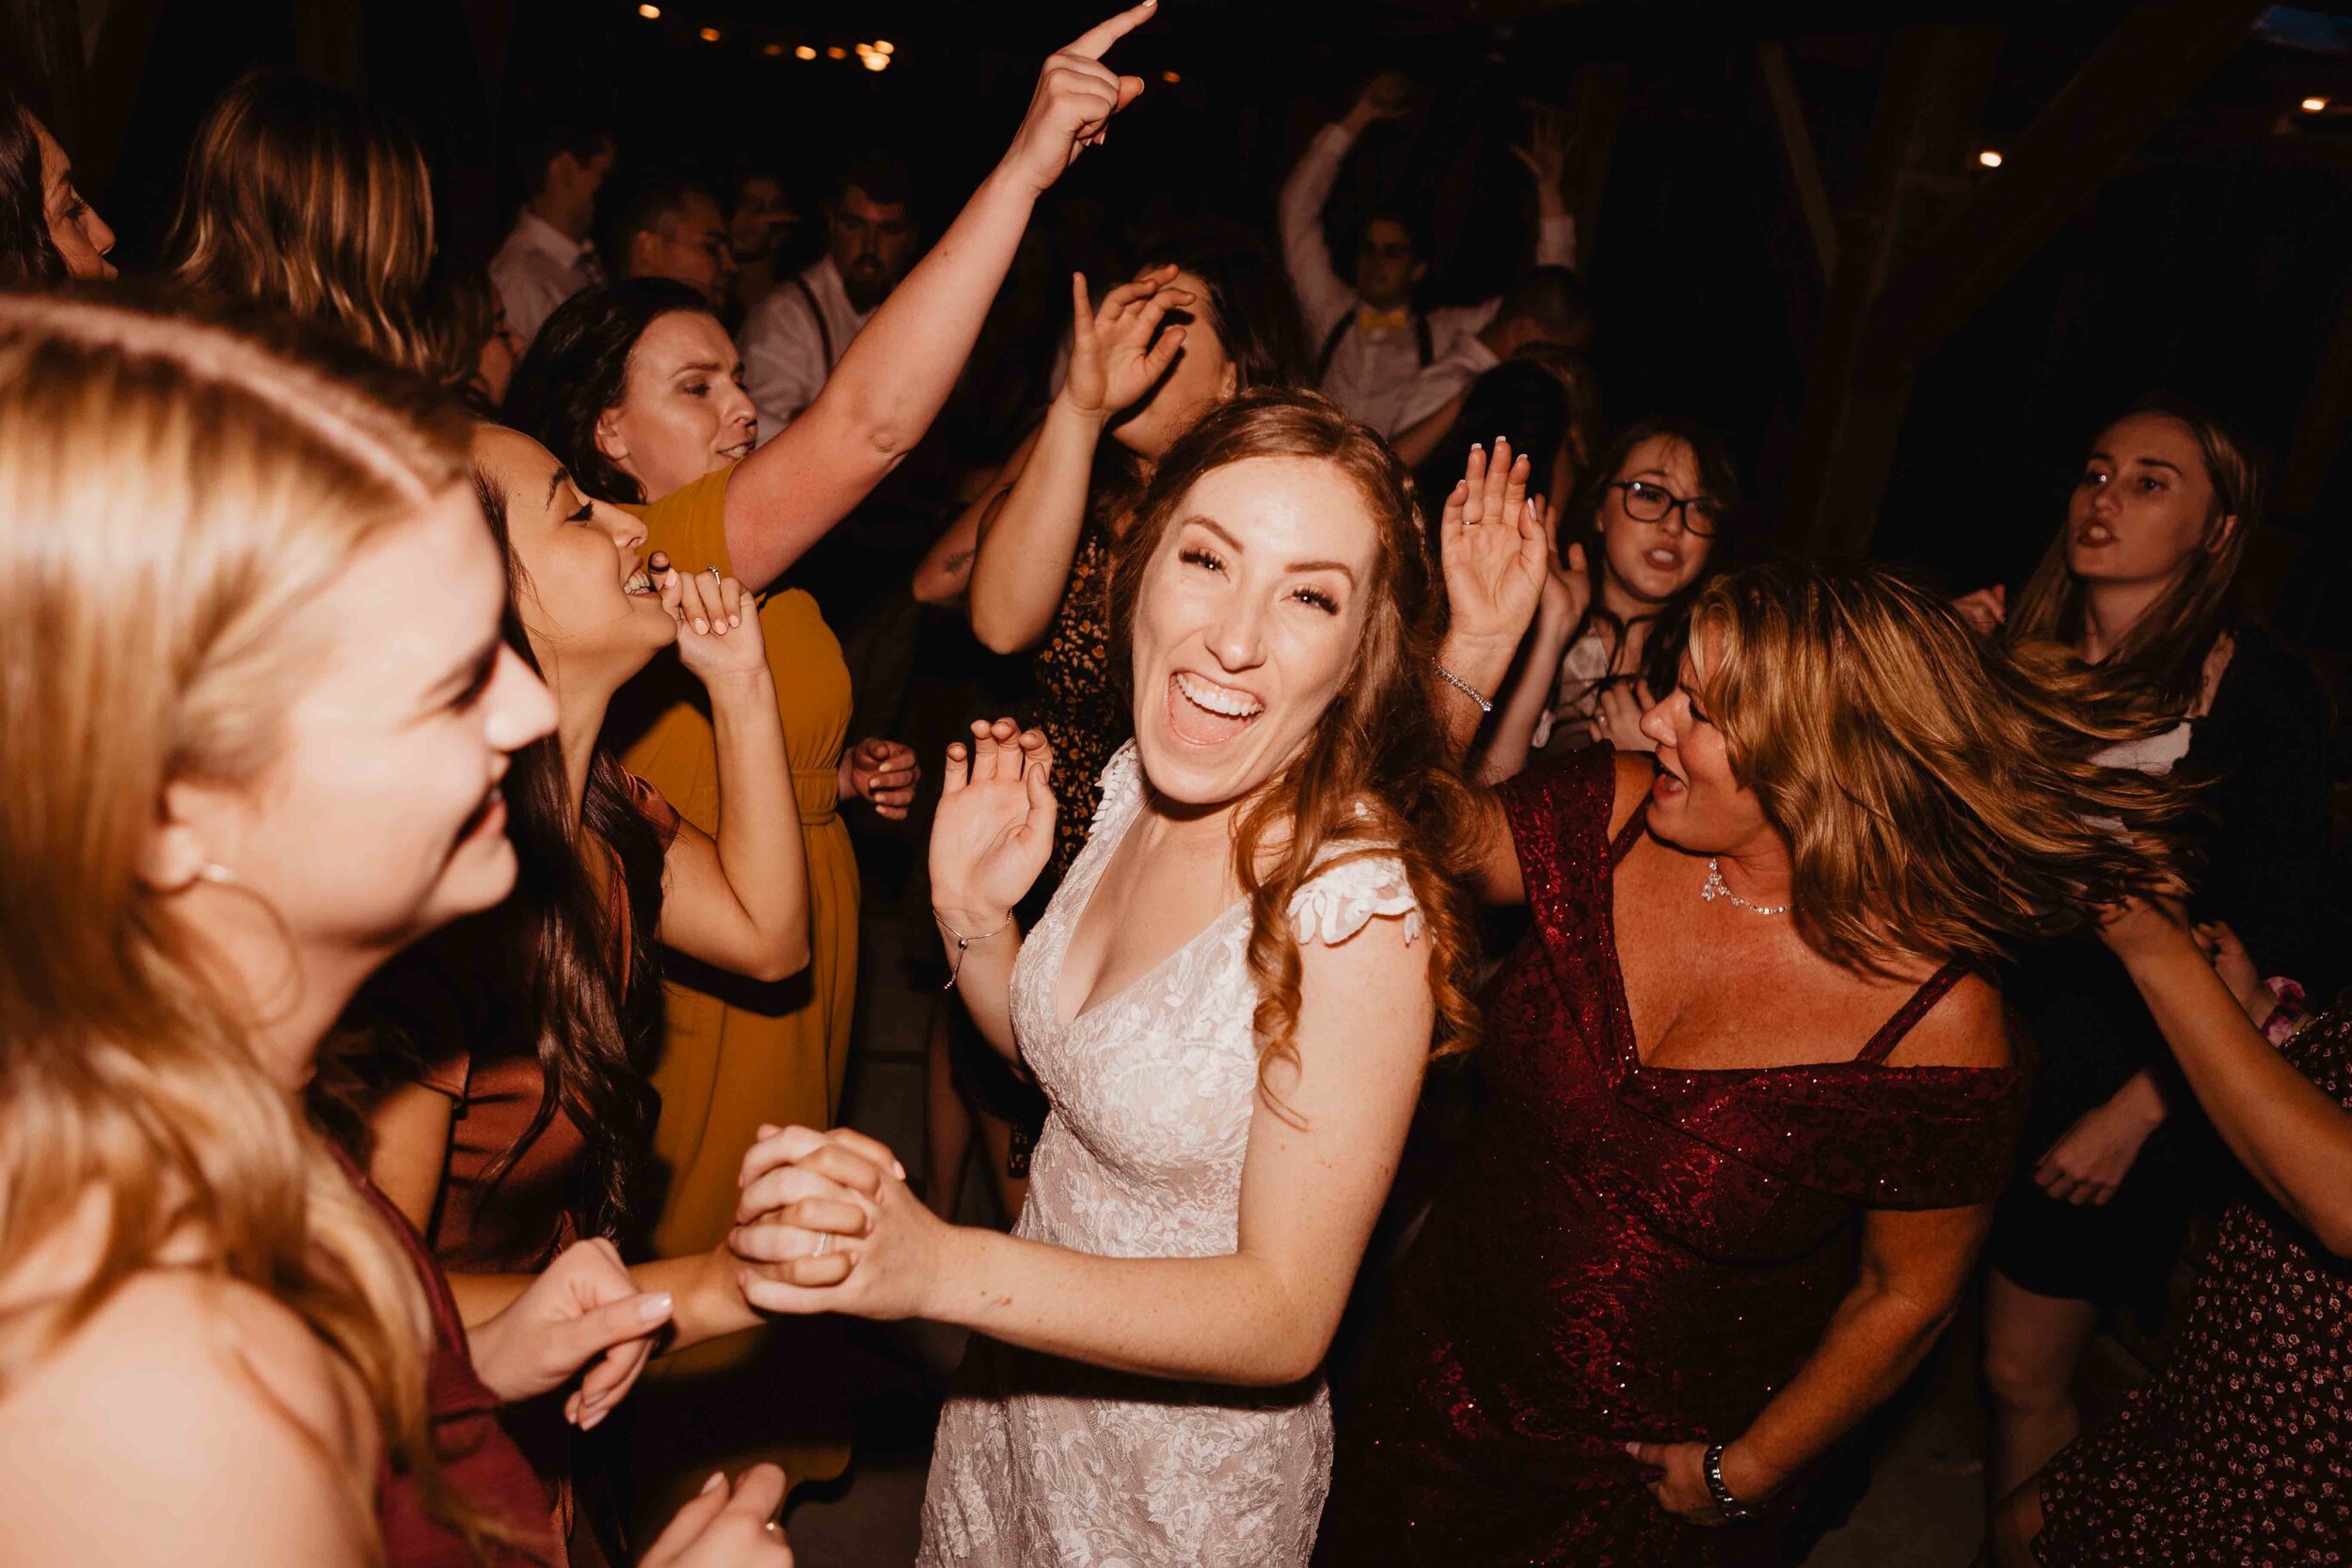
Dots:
(825, 1244)
(713, 571)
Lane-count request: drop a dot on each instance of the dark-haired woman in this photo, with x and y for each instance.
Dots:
(670, 433)
(48, 232)
(529, 1116)
(2138, 582)
(1610, 632)
(1752, 1100)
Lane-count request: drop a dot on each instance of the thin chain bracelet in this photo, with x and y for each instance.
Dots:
(1462, 685)
(963, 944)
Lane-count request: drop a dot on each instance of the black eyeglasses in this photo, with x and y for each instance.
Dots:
(1645, 502)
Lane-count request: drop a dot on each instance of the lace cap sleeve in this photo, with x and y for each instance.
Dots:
(1121, 781)
(1341, 900)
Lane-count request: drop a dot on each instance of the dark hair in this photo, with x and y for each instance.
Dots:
(1554, 299)
(1250, 304)
(577, 370)
(544, 973)
(1670, 626)
(551, 134)
(1415, 228)
(653, 203)
(881, 174)
(1523, 401)
(28, 253)
(1372, 777)
(462, 313)
(2164, 649)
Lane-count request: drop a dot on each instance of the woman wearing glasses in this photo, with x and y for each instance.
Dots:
(1631, 556)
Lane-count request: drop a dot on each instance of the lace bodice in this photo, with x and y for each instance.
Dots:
(1041, 1460)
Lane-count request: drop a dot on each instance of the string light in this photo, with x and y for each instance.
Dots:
(805, 52)
(883, 46)
(2314, 105)
(773, 51)
(836, 53)
(1170, 77)
(651, 13)
(1989, 158)
(711, 35)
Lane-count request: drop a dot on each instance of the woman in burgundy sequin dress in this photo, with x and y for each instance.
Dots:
(1749, 1102)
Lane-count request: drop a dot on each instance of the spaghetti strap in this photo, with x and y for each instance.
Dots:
(1622, 845)
(1929, 992)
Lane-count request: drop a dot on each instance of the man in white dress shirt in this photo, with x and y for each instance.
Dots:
(1547, 306)
(792, 340)
(1369, 339)
(547, 257)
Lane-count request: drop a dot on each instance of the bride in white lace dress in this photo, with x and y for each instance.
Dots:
(1228, 1003)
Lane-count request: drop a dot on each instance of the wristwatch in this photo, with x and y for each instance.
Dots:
(1711, 1467)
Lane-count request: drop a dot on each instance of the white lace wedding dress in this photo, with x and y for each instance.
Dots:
(1043, 1462)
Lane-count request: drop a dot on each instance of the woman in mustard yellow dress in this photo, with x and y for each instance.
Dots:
(637, 388)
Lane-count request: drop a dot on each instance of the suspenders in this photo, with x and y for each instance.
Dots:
(824, 333)
(1331, 344)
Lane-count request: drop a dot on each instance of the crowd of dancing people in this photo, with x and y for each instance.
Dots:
(432, 909)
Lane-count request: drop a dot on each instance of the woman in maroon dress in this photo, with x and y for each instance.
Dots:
(1750, 1100)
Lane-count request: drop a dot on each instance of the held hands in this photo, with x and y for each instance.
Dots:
(1113, 359)
(583, 1310)
(883, 772)
(1681, 1484)
(718, 623)
(993, 832)
(1498, 558)
(828, 1224)
(1076, 96)
(727, 1527)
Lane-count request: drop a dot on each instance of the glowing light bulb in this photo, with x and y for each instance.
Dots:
(1989, 158)
(875, 62)
(883, 46)
(836, 53)
(2314, 105)
(651, 13)
(711, 35)
(773, 51)
(805, 52)
(1170, 77)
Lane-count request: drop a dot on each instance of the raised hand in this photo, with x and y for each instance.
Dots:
(883, 772)
(1388, 96)
(1076, 96)
(1497, 557)
(583, 1311)
(1546, 155)
(994, 829)
(718, 623)
(1113, 358)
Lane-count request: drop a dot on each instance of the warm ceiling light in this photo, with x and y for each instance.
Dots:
(1170, 77)
(805, 52)
(875, 62)
(711, 35)
(651, 13)
(836, 53)
(2314, 105)
(1989, 158)
(883, 46)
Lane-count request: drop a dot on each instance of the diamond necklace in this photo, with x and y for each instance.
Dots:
(1717, 888)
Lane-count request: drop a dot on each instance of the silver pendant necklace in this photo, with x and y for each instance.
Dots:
(1717, 888)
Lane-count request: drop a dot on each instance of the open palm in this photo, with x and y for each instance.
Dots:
(1495, 550)
(1113, 358)
(994, 830)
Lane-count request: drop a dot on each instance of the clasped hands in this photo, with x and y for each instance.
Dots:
(826, 1223)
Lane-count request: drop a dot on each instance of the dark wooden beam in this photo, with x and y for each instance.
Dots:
(1596, 107)
(2135, 81)
(1931, 93)
(1797, 156)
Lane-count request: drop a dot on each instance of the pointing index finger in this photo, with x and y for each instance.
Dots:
(1092, 43)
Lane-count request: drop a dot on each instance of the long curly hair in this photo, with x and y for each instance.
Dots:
(214, 489)
(1941, 798)
(1373, 776)
(309, 201)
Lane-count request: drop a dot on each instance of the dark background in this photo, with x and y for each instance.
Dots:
(2213, 262)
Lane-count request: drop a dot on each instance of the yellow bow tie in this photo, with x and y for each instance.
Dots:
(1370, 319)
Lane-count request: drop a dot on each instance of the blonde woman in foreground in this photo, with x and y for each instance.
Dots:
(259, 710)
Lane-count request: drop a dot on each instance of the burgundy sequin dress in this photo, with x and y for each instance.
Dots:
(2238, 1452)
(1625, 1252)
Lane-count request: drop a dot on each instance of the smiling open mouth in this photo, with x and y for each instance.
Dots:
(1202, 713)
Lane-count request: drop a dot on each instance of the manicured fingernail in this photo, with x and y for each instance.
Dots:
(718, 1479)
(1633, 1450)
(899, 1170)
(655, 1308)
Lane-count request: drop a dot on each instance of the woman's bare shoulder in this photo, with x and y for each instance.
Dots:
(1637, 771)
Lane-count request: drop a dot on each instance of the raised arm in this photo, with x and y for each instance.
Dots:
(1496, 552)
(2293, 1138)
(738, 901)
(1323, 296)
(890, 384)
(943, 576)
(1025, 546)
(1263, 1315)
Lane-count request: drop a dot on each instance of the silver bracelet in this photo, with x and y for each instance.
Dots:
(1462, 685)
(963, 943)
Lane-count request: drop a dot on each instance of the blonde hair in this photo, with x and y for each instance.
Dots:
(1373, 778)
(170, 496)
(304, 199)
(1939, 795)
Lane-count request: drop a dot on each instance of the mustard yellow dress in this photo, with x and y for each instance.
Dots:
(738, 1053)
